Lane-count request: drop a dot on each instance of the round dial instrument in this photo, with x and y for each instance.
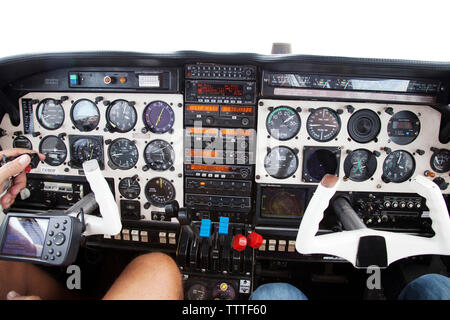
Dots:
(364, 126)
(440, 161)
(283, 123)
(158, 117)
(398, 166)
(159, 191)
(197, 292)
(159, 155)
(54, 149)
(403, 127)
(50, 114)
(281, 162)
(129, 188)
(85, 115)
(121, 116)
(22, 142)
(123, 154)
(323, 124)
(360, 165)
(84, 149)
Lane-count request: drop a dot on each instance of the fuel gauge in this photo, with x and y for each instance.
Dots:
(440, 161)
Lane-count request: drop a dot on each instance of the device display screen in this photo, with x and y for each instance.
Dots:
(25, 237)
(402, 125)
(221, 90)
(283, 202)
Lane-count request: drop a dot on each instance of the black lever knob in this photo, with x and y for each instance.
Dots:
(172, 208)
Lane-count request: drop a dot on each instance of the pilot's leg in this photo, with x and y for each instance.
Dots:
(277, 291)
(153, 276)
(28, 280)
(427, 287)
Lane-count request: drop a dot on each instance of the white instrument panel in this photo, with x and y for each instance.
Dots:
(428, 137)
(173, 137)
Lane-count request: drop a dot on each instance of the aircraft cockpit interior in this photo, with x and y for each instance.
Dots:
(245, 169)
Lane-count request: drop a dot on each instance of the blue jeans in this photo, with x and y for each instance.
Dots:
(427, 287)
(277, 291)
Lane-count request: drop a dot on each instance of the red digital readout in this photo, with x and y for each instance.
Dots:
(222, 90)
(203, 167)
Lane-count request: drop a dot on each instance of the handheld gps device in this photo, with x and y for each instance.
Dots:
(39, 238)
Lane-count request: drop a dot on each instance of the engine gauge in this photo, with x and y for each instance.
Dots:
(22, 142)
(129, 188)
(323, 124)
(440, 161)
(403, 127)
(158, 117)
(281, 162)
(159, 155)
(360, 165)
(283, 123)
(54, 149)
(197, 292)
(121, 116)
(50, 114)
(123, 154)
(83, 148)
(398, 166)
(159, 191)
(85, 115)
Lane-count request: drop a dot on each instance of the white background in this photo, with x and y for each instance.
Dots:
(378, 28)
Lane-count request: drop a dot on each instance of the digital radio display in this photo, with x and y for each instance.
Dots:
(232, 109)
(202, 153)
(202, 167)
(192, 107)
(204, 131)
(236, 132)
(220, 90)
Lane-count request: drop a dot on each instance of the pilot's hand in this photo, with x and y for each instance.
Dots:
(12, 295)
(12, 169)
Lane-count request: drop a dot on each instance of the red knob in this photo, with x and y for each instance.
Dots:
(239, 242)
(255, 240)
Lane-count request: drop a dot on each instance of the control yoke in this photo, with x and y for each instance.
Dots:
(109, 223)
(364, 247)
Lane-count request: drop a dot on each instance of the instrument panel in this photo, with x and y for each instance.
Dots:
(136, 138)
(372, 146)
